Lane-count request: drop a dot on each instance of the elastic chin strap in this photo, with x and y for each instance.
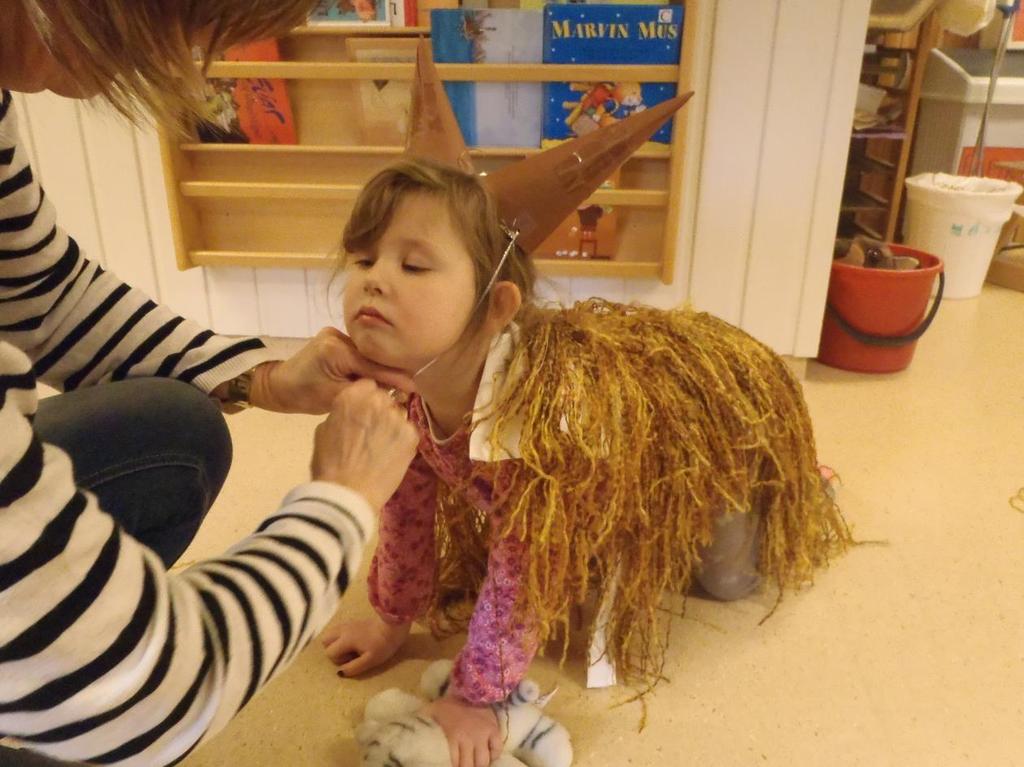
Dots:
(513, 235)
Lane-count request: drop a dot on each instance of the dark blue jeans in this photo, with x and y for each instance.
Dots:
(154, 451)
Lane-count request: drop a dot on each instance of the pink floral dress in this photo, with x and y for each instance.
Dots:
(499, 649)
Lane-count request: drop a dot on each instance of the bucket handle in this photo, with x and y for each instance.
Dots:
(873, 340)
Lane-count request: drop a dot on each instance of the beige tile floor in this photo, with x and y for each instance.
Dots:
(911, 653)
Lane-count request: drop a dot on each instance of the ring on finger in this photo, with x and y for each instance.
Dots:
(397, 395)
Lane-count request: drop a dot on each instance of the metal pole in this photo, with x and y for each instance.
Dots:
(1009, 11)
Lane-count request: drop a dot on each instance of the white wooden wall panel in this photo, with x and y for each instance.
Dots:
(110, 146)
(829, 189)
(25, 128)
(743, 46)
(322, 292)
(281, 296)
(63, 168)
(775, 81)
(582, 288)
(184, 292)
(553, 291)
(790, 156)
(234, 305)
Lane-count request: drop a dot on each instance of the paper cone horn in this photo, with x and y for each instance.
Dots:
(537, 193)
(433, 132)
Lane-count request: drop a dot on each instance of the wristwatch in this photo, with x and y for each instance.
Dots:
(238, 392)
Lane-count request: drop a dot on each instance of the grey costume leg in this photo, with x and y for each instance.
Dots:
(728, 569)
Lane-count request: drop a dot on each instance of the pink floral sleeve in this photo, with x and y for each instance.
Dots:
(401, 581)
(499, 648)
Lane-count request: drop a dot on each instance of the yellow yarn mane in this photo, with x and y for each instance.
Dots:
(638, 426)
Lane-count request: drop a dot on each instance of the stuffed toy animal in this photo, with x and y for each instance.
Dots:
(393, 734)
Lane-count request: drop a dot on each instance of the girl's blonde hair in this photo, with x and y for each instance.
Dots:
(137, 54)
(473, 212)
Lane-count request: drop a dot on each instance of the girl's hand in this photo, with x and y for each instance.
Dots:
(366, 443)
(371, 641)
(474, 737)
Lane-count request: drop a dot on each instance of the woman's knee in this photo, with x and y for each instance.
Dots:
(123, 422)
(191, 424)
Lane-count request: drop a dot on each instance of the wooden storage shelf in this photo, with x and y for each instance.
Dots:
(878, 158)
(894, 133)
(550, 266)
(870, 164)
(354, 30)
(352, 70)
(650, 150)
(858, 200)
(649, 198)
(285, 206)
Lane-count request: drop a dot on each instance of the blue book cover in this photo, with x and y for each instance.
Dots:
(492, 113)
(607, 34)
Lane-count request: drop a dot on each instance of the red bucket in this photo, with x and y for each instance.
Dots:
(874, 317)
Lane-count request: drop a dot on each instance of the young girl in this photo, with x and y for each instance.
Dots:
(605, 450)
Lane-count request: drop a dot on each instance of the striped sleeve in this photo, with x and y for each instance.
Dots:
(79, 324)
(107, 658)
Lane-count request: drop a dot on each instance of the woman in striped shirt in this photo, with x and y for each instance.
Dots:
(104, 656)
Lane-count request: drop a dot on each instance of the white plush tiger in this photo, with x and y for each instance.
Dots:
(394, 735)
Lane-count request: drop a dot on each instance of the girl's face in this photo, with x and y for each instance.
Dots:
(409, 298)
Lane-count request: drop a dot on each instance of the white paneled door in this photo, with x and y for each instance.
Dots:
(775, 80)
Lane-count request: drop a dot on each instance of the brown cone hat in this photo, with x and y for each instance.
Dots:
(433, 132)
(537, 193)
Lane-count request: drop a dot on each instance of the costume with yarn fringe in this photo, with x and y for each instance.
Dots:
(636, 427)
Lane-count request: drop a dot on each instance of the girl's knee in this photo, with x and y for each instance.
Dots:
(728, 567)
(727, 584)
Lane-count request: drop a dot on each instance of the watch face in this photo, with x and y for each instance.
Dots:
(238, 389)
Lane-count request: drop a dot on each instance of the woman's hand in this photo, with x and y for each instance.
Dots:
(309, 381)
(371, 641)
(474, 738)
(366, 443)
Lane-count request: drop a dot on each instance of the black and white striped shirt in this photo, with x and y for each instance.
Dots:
(104, 656)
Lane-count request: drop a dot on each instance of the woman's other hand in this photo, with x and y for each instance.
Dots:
(359, 646)
(474, 738)
(309, 381)
(366, 443)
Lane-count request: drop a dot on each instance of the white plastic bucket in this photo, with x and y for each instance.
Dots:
(958, 219)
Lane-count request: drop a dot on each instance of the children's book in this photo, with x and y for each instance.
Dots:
(383, 105)
(426, 7)
(402, 13)
(248, 110)
(607, 34)
(492, 113)
(351, 12)
(590, 232)
(539, 4)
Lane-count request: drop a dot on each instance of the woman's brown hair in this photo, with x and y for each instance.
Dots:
(137, 54)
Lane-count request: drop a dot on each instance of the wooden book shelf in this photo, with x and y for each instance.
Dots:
(286, 205)
(879, 157)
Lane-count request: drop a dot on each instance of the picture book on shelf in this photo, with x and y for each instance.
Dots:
(492, 113)
(591, 232)
(382, 106)
(402, 12)
(607, 34)
(352, 12)
(539, 4)
(248, 110)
